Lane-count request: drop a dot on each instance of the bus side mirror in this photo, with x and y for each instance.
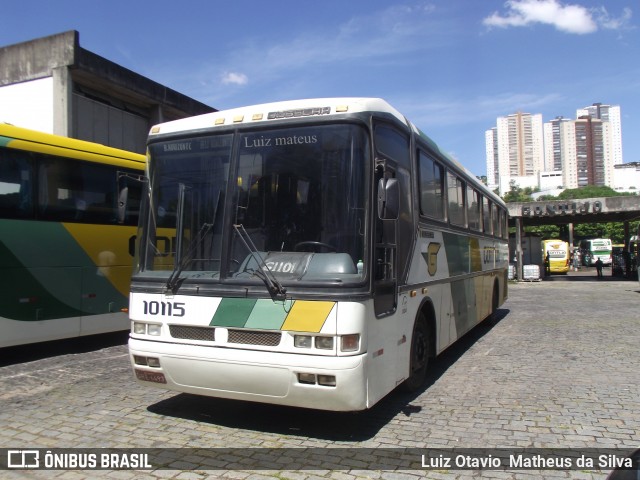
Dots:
(388, 198)
(123, 199)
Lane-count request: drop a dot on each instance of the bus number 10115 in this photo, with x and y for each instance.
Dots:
(165, 309)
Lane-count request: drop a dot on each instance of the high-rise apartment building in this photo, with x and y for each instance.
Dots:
(515, 147)
(593, 165)
(560, 150)
(491, 145)
(611, 115)
(585, 150)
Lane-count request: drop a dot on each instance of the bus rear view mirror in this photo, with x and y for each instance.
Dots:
(123, 199)
(388, 198)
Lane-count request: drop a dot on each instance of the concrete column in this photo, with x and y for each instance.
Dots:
(62, 102)
(157, 115)
(519, 248)
(570, 227)
(626, 235)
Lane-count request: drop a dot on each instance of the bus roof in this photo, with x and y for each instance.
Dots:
(268, 112)
(32, 140)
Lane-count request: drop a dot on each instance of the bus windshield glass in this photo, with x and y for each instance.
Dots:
(292, 201)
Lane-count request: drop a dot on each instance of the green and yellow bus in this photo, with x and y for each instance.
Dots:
(594, 249)
(323, 252)
(66, 238)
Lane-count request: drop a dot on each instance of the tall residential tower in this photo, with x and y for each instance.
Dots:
(516, 149)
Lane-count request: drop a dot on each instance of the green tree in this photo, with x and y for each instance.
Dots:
(590, 191)
(518, 194)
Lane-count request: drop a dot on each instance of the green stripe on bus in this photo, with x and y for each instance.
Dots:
(268, 314)
(26, 298)
(457, 249)
(48, 275)
(233, 312)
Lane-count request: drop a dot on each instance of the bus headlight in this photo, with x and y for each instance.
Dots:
(324, 343)
(154, 329)
(139, 328)
(302, 341)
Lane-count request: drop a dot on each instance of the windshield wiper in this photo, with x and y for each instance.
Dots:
(174, 281)
(275, 288)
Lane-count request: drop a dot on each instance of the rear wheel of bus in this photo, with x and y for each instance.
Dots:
(420, 353)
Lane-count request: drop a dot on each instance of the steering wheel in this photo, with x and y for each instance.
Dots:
(311, 243)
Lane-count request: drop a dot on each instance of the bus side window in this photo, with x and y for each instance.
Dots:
(16, 184)
(431, 184)
(496, 220)
(393, 144)
(75, 191)
(455, 197)
(473, 209)
(505, 224)
(486, 211)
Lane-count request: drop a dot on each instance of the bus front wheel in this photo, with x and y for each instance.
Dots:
(419, 357)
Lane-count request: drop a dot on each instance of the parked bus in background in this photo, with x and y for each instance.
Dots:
(323, 252)
(593, 249)
(555, 254)
(65, 246)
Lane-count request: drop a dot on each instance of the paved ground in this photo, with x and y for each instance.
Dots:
(558, 370)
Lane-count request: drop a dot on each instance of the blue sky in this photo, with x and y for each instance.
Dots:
(451, 66)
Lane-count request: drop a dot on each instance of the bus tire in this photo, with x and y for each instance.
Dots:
(495, 300)
(419, 356)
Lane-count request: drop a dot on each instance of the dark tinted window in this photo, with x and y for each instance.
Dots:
(431, 187)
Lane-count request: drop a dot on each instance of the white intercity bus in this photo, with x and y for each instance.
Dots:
(314, 253)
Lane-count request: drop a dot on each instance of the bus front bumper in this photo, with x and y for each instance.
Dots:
(319, 382)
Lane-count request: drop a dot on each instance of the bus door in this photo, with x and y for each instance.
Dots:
(384, 268)
(392, 183)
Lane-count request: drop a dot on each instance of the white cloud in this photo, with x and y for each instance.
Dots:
(566, 18)
(234, 78)
(378, 36)
(611, 23)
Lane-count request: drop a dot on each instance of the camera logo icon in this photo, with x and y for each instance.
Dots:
(23, 459)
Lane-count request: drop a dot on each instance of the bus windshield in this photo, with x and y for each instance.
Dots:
(225, 208)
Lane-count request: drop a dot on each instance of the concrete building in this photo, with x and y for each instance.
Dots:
(626, 177)
(609, 114)
(593, 164)
(491, 145)
(518, 145)
(560, 150)
(53, 85)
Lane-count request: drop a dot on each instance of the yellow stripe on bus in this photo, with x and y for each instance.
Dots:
(34, 141)
(306, 316)
(108, 247)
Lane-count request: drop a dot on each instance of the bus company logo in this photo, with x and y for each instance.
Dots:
(431, 257)
(23, 459)
(302, 112)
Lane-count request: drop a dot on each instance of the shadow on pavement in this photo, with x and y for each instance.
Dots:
(335, 426)
(38, 351)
